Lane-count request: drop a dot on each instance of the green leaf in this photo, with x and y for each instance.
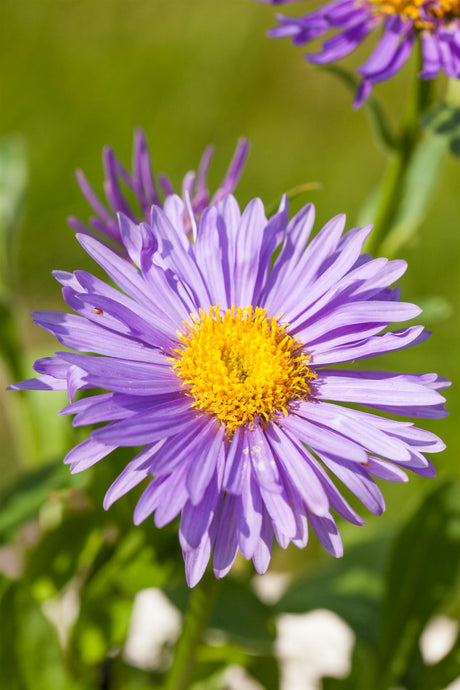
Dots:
(423, 568)
(350, 587)
(444, 120)
(265, 669)
(56, 558)
(30, 658)
(238, 613)
(22, 499)
(416, 194)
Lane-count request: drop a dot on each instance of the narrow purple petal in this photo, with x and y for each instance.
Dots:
(203, 465)
(226, 544)
(196, 519)
(87, 454)
(357, 480)
(132, 475)
(263, 551)
(328, 534)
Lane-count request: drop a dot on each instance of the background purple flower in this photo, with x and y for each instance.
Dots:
(435, 22)
(196, 331)
(149, 189)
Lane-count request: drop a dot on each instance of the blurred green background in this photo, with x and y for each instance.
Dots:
(78, 74)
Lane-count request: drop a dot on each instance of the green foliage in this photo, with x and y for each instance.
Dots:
(421, 576)
(352, 587)
(444, 120)
(416, 193)
(423, 569)
(238, 613)
(30, 658)
(22, 499)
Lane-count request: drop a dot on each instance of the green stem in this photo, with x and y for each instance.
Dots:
(200, 606)
(393, 182)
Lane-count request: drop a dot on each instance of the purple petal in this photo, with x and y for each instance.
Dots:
(87, 454)
(133, 474)
(297, 468)
(203, 465)
(377, 389)
(328, 534)
(226, 544)
(263, 552)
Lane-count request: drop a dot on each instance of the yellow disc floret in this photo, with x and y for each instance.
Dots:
(241, 365)
(421, 13)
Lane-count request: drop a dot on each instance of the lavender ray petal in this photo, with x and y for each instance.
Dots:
(263, 462)
(249, 516)
(172, 496)
(321, 439)
(354, 427)
(377, 389)
(133, 474)
(263, 551)
(226, 544)
(297, 469)
(328, 534)
(203, 465)
(369, 347)
(87, 454)
(143, 428)
(384, 470)
(357, 480)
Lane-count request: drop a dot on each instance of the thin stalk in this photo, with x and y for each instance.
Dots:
(200, 606)
(393, 182)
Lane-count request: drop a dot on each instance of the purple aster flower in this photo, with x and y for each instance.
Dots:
(148, 191)
(216, 359)
(435, 22)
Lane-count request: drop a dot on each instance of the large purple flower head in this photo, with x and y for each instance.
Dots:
(215, 357)
(148, 190)
(435, 22)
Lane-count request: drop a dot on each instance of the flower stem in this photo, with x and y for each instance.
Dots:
(393, 182)
(200, 606)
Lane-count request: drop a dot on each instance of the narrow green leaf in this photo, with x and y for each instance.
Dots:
(418, 186)
(351, 587)
(423, 568)
(265, 670)
(22, 499)
(444, 120)
(238, 613)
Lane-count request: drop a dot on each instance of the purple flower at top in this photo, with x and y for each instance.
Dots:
(435, 22)
(148, 191)
(217, 354)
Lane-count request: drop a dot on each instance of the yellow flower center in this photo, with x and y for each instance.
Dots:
(411, 9)
(241, 365)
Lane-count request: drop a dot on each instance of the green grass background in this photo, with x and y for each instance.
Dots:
(78, 74)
